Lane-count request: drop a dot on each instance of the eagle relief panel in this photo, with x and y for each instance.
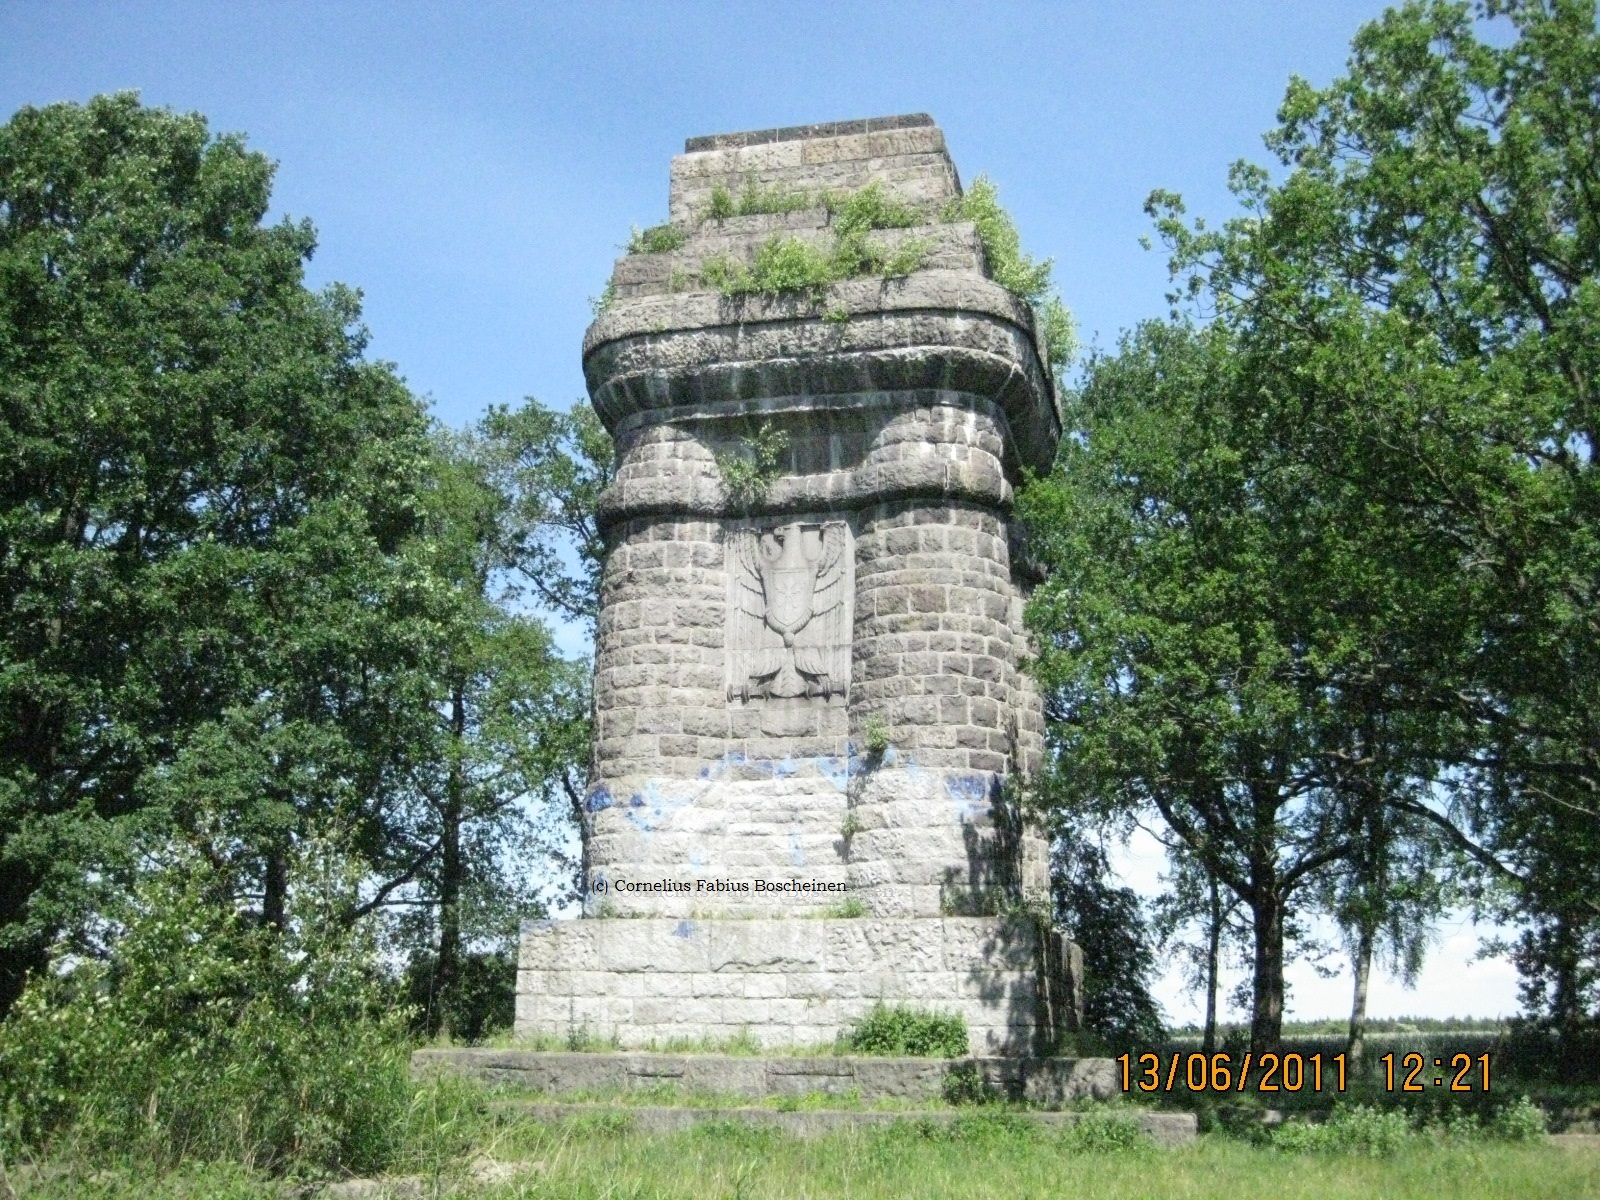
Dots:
(791, 595)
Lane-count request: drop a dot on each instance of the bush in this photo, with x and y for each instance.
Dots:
(1372, 1132)
(482, 1003)
(658, 239)
(1520, 1121)
(203, 1034)
(909, 1032)
(965, 1084)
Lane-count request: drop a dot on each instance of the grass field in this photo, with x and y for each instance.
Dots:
(598, 1161)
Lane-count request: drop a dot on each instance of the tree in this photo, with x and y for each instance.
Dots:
(1108, 923)
(201, 484)
(1417, 304)
(554, 465)
(510, 734)
(1195, 897)
(1204, 633)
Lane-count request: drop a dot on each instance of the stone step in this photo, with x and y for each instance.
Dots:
(1163, 1128)
(1043, 1082)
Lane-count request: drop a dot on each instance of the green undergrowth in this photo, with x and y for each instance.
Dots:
(908, 1032)
(980, 1157)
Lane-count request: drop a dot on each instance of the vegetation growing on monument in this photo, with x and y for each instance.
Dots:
(749, 469)
(897, 1030)
(1025, 277)
(658, 239)
(790, 265)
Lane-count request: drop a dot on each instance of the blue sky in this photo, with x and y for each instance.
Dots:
(473, 168)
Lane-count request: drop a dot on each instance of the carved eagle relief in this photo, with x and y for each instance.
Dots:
(789, 611)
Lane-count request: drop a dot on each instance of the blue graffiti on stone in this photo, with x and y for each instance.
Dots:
(650, 809)
(598, 799)
(971, 794)
(685, 929)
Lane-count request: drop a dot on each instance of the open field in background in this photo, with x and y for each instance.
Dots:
(982, 1160)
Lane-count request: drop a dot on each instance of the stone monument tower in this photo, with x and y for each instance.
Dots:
(808, 699)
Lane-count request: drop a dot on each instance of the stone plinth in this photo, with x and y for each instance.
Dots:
(817, 678)
(1043, 1082)
(795, 982)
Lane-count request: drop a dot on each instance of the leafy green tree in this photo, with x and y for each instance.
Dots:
(510, 719)
(1417, 303)
(554, 465)
(202, 485)
(1109, 925)
(1193, 667)
(1195, 897)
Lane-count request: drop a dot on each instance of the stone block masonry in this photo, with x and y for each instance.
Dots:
(821, 680)
(791, 982)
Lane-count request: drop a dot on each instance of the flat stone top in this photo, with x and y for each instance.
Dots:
(795, 133)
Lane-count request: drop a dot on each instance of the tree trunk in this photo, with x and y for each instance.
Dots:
(1266, 1015)
(275, 887)
(449, 957)
(1358, 1005)
(1208, 1043)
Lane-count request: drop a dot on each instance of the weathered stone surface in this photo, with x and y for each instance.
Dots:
(818, 678)
(908, 160)
(1162, 1128)
(781, 982)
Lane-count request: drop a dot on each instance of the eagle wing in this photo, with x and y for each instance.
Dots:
(753, 650)
(820, 645)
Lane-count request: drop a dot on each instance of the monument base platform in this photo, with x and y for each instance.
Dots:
(798, 982)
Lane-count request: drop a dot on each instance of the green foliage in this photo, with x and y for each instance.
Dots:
(1186, 639)
(1105, 1133)
(869, 208)
(754, 200)
(1520, 1121)
(875, 733)
(658, 239)
(965, 1085)
(749, 470)
(908, 1032)
(481, 1004)
(1415, 304)
(205, 1034)
(1110, 926)
(553, 466)
(792, 266)
(787, 265)
(783, 264)
(850, 907)
(1002, 244)
(1370, 1132)
(1015, 271)
(601, 304)
(206, 498)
